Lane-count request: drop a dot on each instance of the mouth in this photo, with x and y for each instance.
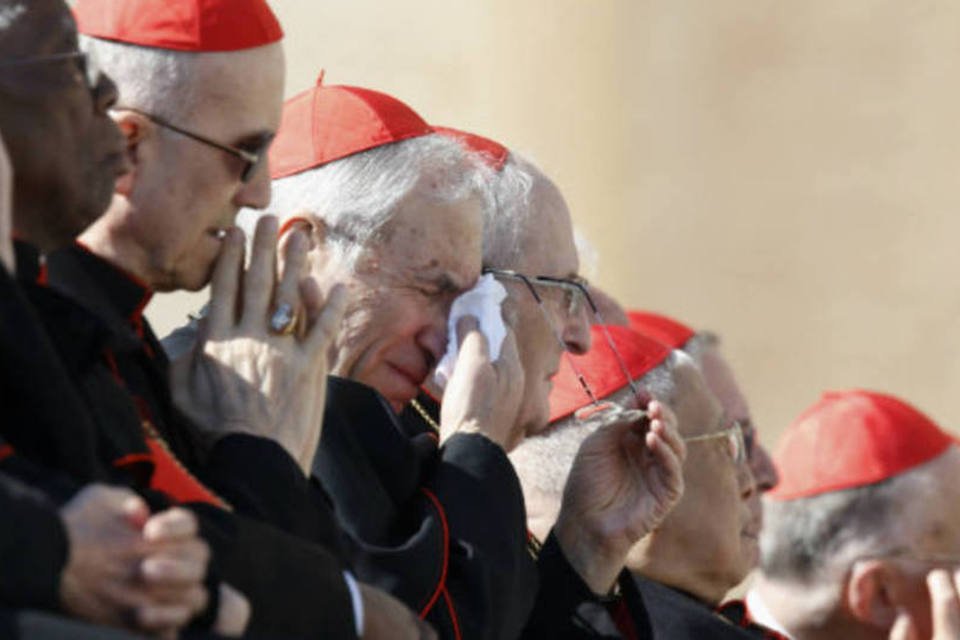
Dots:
(411, 376)
(217, 233)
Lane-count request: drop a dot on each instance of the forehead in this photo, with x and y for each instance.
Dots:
(722, 383)
(698, 412)
(428, 236)
(546, 242)
(36, 27)
(239, 92)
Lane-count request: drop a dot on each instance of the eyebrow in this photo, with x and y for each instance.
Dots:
(445, 282)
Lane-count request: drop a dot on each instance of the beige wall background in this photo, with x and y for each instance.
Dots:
(783, 173)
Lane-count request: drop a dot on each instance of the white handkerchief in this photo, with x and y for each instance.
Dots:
(483, 303)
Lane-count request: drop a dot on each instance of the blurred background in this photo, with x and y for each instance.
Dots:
(781, 173)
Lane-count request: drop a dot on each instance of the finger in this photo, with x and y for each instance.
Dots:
(324, 327)
(260, 276)
(473, 344)
(171, 525)
(165, 571)
(292, 263)
(666, 458)
(671, 437)
(225, 285)
(944, 603)
(903, 628)
(234, 612)
(163, 618)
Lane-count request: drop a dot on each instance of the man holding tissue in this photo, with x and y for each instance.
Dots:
(434, 510)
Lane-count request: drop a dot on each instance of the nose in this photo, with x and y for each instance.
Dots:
(255, 193)
(432, 338)
(748, 484)
(105, 94)
(764, 471)
(576, 332)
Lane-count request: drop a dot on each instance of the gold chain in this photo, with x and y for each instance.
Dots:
(425, 415)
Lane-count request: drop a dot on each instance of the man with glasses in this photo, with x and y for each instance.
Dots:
(693, 554)
(220, 80)
(529, 248)
(861, 537)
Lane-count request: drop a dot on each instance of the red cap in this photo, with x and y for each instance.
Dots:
(493, 153)
(850, 439)
(182, 25)
(666, 330)
(601, 369)
(327, 123)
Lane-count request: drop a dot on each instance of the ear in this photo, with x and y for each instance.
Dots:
(135, 128)
(871, 593)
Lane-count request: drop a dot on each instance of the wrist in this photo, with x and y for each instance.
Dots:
(596, 561)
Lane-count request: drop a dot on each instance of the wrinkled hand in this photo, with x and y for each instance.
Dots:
(944, 591)
(6, 210)
(244, 377)
(624, 480)
(128, 569)
(483, 396)
(385, 617)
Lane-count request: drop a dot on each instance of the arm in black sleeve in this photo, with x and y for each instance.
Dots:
(294, 587)
(33, 547)
(491, 577)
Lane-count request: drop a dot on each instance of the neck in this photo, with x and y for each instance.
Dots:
(809, 612)
(676, 572)
(28, 226)
(110, 239)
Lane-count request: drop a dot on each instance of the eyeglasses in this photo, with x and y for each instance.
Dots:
(576, 296)
(923, 557)
(574, 289)
(252, 159)
(86, 64)
(734, 439)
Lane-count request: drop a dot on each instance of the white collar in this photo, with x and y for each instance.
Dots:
(759, 612)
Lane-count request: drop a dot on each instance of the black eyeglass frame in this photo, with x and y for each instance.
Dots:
(253, 159)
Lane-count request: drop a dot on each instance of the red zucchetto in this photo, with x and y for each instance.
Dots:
(493, 153)
(670, 332)
(327, 123)
(183, 25)
(850, 439)
(601, 370)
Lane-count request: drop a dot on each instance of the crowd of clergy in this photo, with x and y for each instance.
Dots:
(402, 412)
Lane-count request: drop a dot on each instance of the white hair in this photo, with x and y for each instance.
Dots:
(809, 538)
(543, 462)
(358, 195)
(157, 81)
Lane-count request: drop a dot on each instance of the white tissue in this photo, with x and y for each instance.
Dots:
(483, 303)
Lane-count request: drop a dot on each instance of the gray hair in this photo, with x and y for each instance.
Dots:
(544, 461)
(805, 538)
(358, 195)
(158, 81)
(699, 344)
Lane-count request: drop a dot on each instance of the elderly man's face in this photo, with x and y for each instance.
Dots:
(395, 329)
(183, 192)
(708, 543)
(722, 383)
(937, 544)
(65, 150)
(547, 249)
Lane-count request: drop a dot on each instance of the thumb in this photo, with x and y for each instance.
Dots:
(903, 628)
(465, 326)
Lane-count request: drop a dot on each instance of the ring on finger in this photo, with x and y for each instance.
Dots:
(284, 320)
